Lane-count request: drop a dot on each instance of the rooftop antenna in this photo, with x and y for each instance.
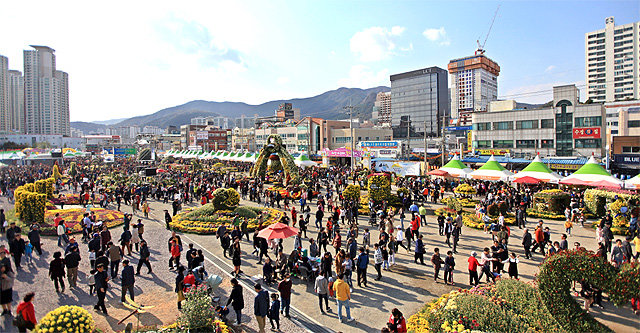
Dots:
(481, 49)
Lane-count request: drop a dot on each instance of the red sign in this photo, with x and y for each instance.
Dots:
(586, 132)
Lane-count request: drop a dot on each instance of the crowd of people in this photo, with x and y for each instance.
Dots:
(343, 243)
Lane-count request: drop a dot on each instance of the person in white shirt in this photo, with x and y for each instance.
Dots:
(62, 233)
(400, 238)
(485, 262)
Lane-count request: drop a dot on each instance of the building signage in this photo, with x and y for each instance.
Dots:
(459, 128)
(564, 166)
(500, 152)
(202, 135)
(469, 140)
(627, 159)
(124, 151)
(586, 132)
(379, 144)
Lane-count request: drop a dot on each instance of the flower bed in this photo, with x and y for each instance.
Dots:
(67, 199)
(465, 190)
(66, 319)
(544, 215)
(464, 202)
(472, 220)
(507, 306)
(206, 219)
(73, 219)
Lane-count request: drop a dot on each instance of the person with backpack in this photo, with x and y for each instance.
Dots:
(26, 314)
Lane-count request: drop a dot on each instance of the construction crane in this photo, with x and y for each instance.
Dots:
(480, 49)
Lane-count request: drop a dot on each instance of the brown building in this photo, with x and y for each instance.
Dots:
(625, 152)
(206, 136)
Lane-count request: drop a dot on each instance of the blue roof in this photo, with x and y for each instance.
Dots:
(502, 159)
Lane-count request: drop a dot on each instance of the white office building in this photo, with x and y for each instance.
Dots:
(5, 122)
(612, 72)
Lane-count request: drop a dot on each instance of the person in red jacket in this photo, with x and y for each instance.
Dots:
(175, 255)
(397, 323)
(539, 236)
(27, 311)
(473, 269)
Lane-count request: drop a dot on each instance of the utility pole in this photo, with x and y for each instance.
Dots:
(408, 138)
(425, 147)
(350, 109)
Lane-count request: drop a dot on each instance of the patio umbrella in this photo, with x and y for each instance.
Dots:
(304, 161)
(573, 181)
(456, 168)
(492, 170)
(633, 182)
(605, 183)
(527, 180)
(277, 231)
(590, 173)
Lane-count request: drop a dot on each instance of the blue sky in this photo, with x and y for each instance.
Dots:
(133, 58)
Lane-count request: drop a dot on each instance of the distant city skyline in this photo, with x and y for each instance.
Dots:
(124, 63)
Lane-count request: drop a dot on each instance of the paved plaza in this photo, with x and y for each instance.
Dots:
(406, 287)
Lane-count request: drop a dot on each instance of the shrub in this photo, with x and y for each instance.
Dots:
(66, 319)
(197, 310)
(56, 171)
(73, 169)
(454, 204)
(245, 212)
(465, 190)
(496, 208)
(379, 188)
(352, 192)
(525, 300)
(551, 201)
(29, 204)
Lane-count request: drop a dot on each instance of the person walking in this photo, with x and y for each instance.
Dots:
(127, 281)
(56, 271)
(343, 296)
(16, 248)
(175, 254)
(261, 307)
(102, 279)
(419, 251)
(27, 311)
(284, 287)
(7, 277)
(145, 254)
(437, 262)
(34, 238)
(179, 286)
(527, 241)
(167, 219)
(473, 269)
(274, 312)
(449, 265)
(321, 288)
(115, 254)
(72, 261)
(362, 261)
(236, 299)
(378, 260)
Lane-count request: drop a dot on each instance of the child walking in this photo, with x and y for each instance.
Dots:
(274, 312)
(568, 226)
(28, 251)
(92, 281)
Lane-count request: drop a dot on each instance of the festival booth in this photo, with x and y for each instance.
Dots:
(633, 183)
(592, 174)
(453, 168)
(536, 170)
(303, 161)
(344, 152)
(492, 170)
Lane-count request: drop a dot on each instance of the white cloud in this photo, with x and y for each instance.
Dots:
(437, 36)
(550, 68)
(282, 80)
(361, 76)
(375, 43)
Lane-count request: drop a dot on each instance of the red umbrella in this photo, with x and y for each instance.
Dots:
(277, 231)
(527, 180)
(439, 172)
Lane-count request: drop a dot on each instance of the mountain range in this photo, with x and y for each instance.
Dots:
(328, 105)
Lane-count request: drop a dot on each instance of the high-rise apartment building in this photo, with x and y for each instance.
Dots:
(382, 109)
(5, 118)
(46, 93)
(612, 71)
(419, 101)
(16, 101)
(474, 84)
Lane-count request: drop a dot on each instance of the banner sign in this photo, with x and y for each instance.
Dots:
(399, 168)
(124, 151)
(587, 132)
(342, 152)
(469, 140)
(564, 166)
(497, 152)
(379, 144)
(459, 128)
(633, 160)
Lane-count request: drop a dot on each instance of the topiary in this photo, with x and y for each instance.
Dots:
(352, 192)
(379, 188)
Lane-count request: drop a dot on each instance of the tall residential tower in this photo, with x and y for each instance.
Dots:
(474, 83)
(611, 62)
(46, 93)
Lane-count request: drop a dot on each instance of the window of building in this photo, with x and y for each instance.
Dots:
(546, 123)
(526, 124)
(633, 123)
(546, 143)
(588, 121)
(588, 143)
(502, 143)
(483, 143)
(482, 126)
(630, 149)
(502, 125)
(525, 143)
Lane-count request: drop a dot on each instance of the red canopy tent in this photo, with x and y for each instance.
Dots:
(574, 181)
(604, 183)
(439, 172)
(277, 231)
(527, 180)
